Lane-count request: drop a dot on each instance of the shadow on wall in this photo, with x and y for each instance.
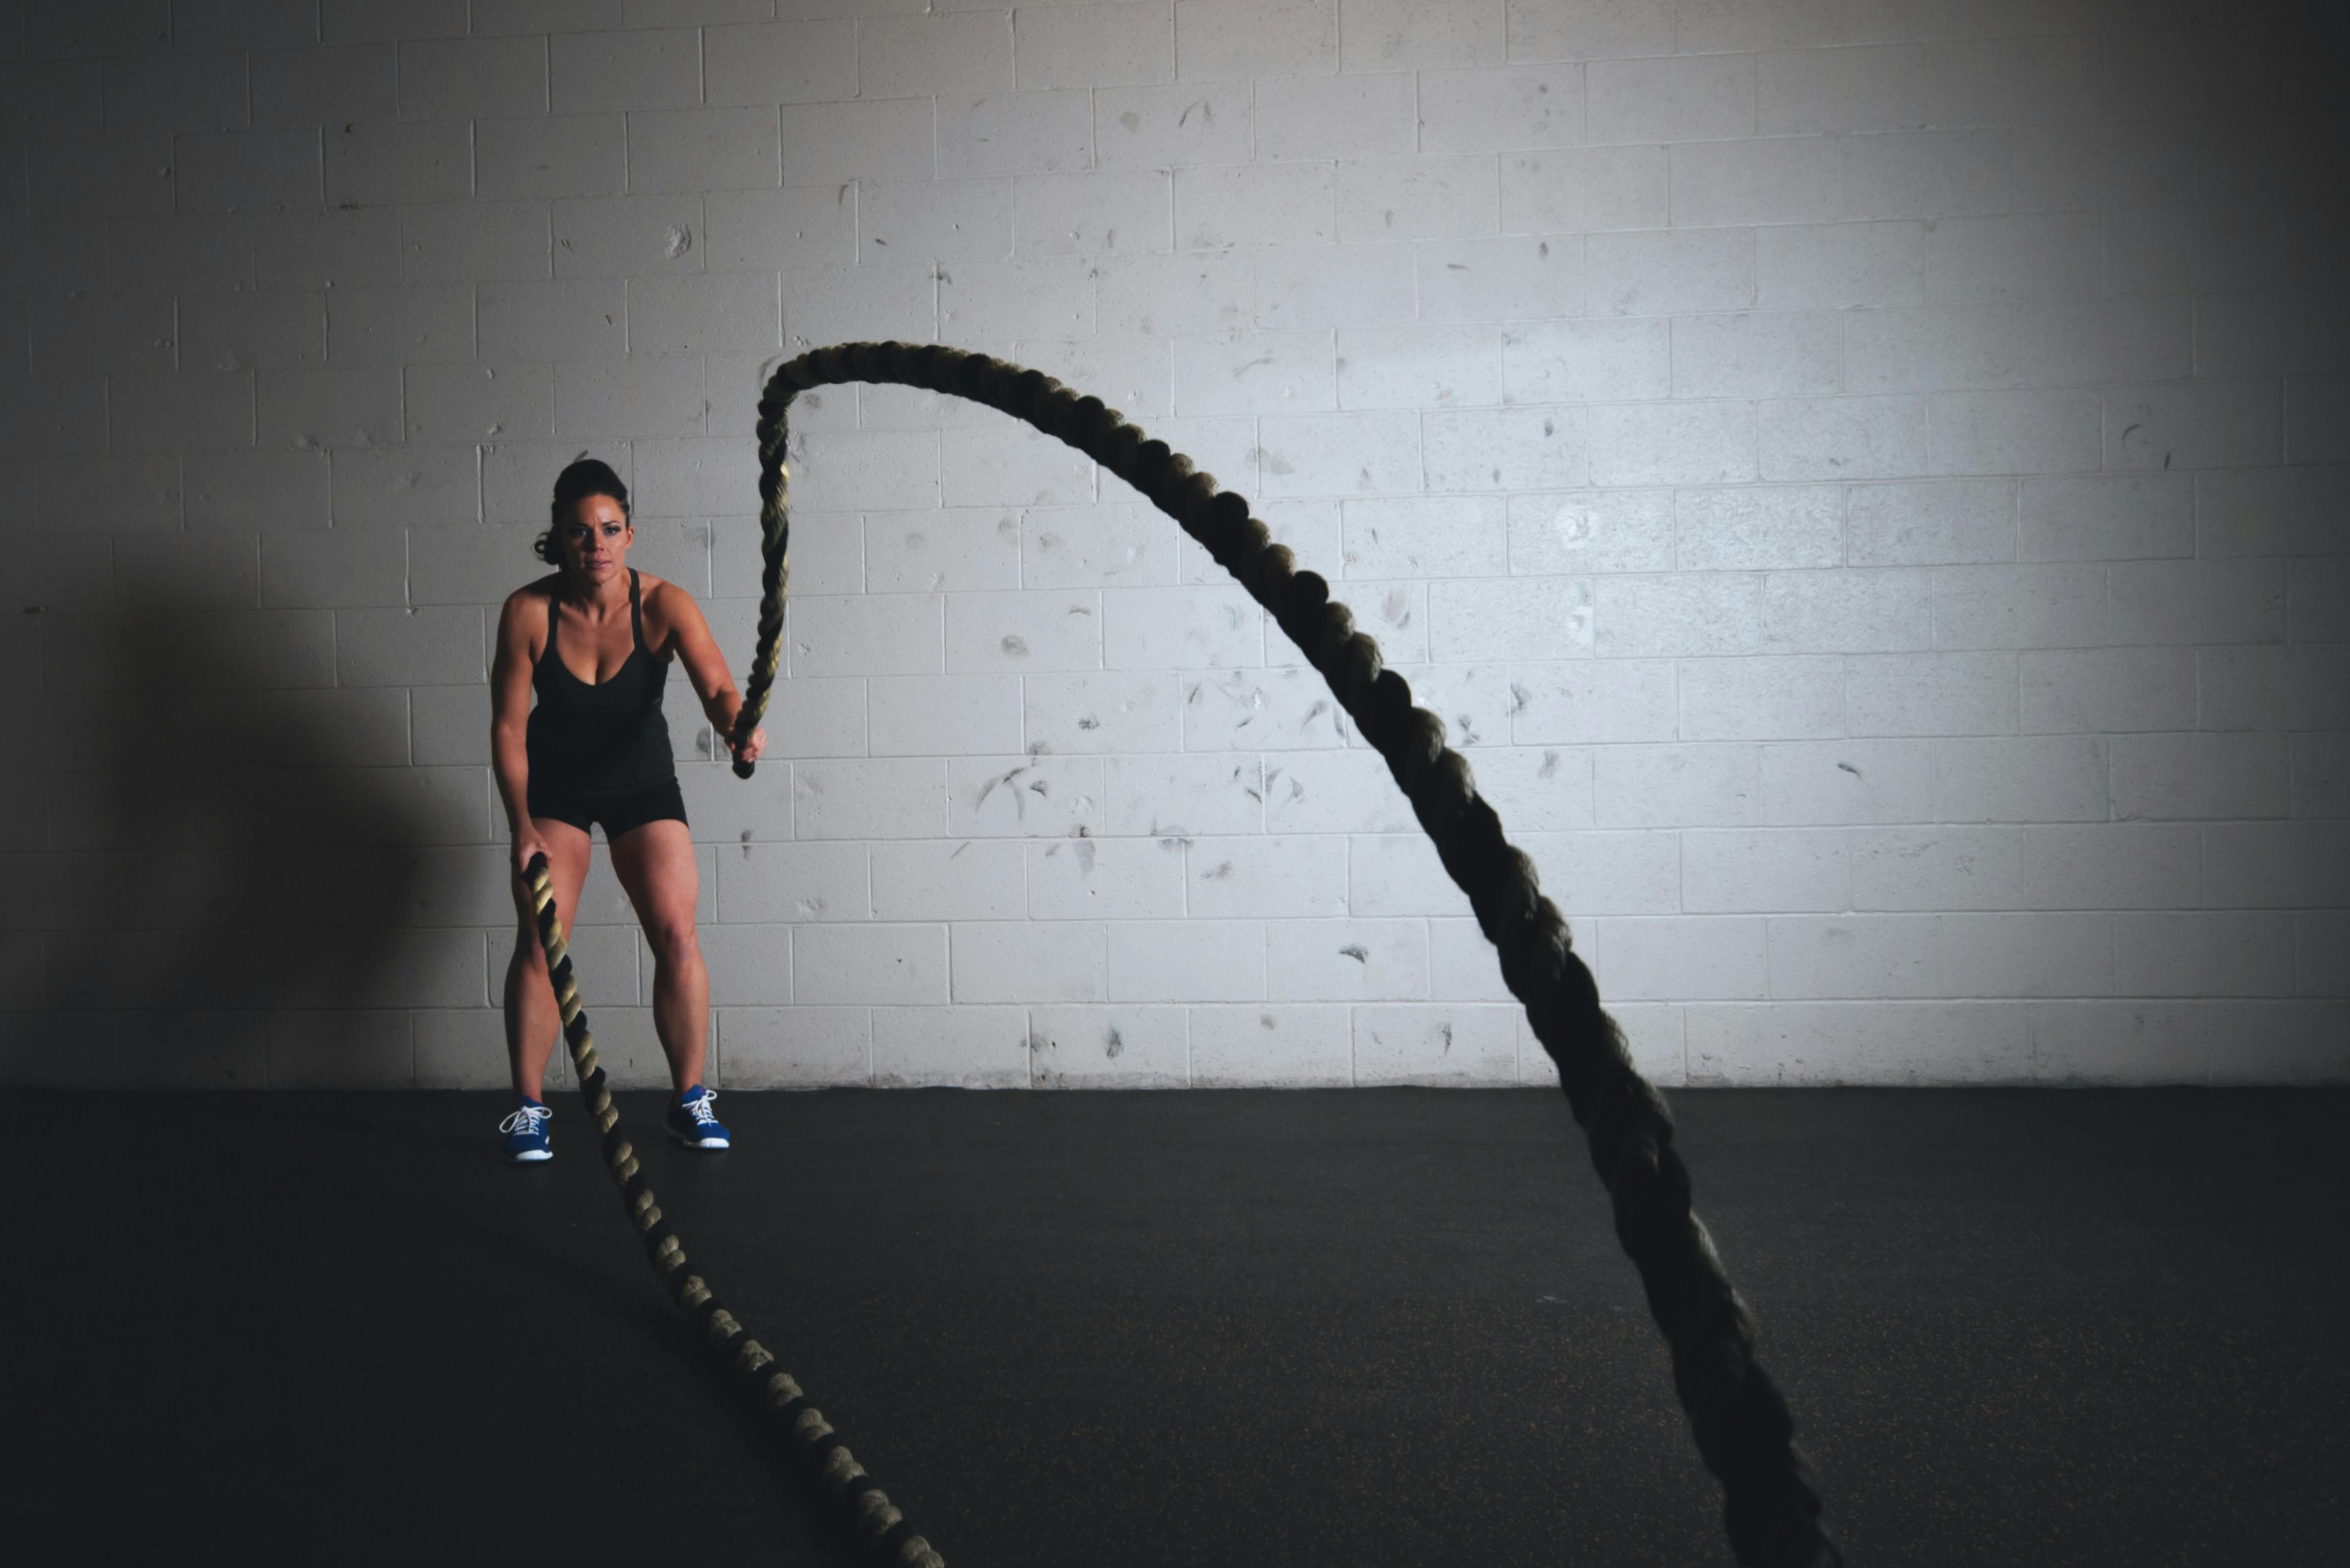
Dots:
(243, 872)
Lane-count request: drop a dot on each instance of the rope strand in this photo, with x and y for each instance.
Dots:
(885, 1528)
(1740, 1423)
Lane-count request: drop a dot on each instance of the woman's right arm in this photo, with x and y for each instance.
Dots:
(509, 719)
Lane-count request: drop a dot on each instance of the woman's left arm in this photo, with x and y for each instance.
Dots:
(705, 667)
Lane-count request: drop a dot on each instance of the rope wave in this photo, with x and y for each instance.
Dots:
(1771, 1508)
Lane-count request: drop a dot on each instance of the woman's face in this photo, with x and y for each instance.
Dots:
(595, 541)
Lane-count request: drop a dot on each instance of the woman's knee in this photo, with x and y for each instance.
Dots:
(673, 941)
(528, 953)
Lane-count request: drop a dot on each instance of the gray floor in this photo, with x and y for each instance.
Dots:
(1215, 1328)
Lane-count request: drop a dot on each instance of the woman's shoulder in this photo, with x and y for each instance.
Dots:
(531, 595)
(662, 596)
(666, 603)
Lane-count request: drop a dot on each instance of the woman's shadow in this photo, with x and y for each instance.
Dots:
(245, 882)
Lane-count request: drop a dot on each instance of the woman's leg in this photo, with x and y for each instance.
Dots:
(656, 865)
(533, 1020)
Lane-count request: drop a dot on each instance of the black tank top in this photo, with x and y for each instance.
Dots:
(590, 739)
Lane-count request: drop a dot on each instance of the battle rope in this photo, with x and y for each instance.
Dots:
(1740, 1423)
(885, 1528)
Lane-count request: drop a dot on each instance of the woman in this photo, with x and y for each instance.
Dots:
(594, 640)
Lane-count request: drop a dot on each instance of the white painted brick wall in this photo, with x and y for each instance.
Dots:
(1865, 485)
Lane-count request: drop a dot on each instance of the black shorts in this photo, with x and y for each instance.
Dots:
(618, 813)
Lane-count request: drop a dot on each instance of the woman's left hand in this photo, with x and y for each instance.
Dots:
(750, 750)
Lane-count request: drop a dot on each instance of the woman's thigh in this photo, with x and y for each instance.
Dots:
(566, 873)
(656, 864)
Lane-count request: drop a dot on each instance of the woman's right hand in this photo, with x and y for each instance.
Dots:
(527, 843)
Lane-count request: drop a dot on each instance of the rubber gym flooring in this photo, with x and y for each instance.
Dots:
(1215, 1328)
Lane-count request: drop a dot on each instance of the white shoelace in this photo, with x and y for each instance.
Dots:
(700, 1109)
(524, 1118)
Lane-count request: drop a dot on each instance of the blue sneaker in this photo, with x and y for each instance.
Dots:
(693, 1123)
(525, 1130)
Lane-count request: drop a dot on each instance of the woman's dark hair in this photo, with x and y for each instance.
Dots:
(587, 476)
